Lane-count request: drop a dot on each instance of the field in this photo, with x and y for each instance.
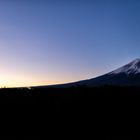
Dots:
(104, 110)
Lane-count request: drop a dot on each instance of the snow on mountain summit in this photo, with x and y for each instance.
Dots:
(131, 68)
(128, 75)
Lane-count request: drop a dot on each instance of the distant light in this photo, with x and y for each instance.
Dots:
(29, 88)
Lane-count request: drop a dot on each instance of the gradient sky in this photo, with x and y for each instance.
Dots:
(57, 41)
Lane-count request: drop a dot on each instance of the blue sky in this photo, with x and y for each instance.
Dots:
(57, 41)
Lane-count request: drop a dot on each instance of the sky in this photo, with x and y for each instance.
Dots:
(45, 42)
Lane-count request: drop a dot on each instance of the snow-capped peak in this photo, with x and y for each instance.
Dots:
(131, 68)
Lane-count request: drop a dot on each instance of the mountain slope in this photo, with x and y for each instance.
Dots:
(128, 75)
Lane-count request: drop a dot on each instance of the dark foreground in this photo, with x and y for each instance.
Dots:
(111, 112)
(74, 100)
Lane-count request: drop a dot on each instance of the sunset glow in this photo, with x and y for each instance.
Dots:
(50, 42)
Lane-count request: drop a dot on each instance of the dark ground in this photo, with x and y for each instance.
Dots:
(108, 112)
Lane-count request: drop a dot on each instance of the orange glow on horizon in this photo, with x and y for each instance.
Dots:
(14, 79)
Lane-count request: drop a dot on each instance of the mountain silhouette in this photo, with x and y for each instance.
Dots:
(127, 75)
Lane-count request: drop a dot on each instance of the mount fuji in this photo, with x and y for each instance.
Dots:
(127, 75)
